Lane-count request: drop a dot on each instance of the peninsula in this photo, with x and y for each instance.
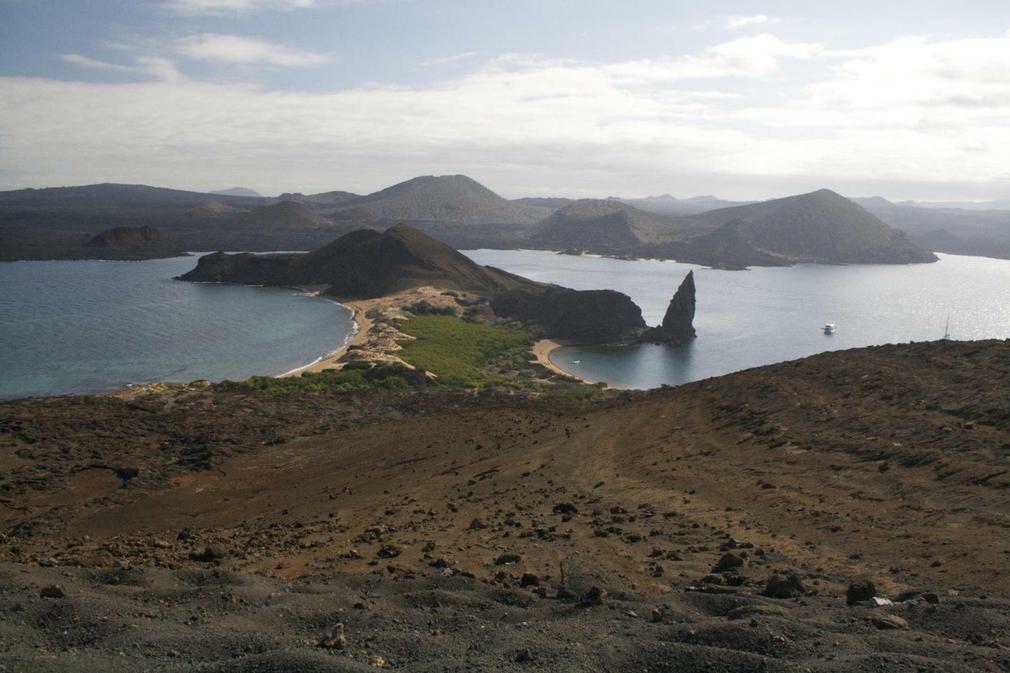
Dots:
(383, 276)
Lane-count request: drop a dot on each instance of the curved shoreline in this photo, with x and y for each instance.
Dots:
(361, 328)
(542, 352)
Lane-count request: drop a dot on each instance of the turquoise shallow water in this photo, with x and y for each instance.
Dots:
(765, 315)
(90, 326)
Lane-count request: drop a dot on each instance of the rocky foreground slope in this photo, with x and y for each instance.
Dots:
(725, 525)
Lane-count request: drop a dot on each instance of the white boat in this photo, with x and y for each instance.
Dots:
(829, 328)
(576, 362)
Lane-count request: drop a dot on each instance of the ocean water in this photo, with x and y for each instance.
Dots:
(92, 326)
(765, 315)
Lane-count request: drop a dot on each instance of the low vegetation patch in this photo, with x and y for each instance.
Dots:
(350, 377)
(468, 353)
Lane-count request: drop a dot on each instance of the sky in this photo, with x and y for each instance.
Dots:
(739, 99)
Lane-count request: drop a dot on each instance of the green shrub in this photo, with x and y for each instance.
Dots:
(465, 353)
(348, 378)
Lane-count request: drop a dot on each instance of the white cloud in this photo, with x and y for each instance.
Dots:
(454, 59)
(234, 6)
(913, 111)
(740, 22)
(906, 83)
(235, 49)
(95, 64)
(146, 66)
(755, 56)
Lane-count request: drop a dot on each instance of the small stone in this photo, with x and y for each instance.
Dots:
(529, 580)
(335, 639)
(507, 559)
(878, 602)
(208, 554)
(592, 597)
(888, 622)
(388, 551)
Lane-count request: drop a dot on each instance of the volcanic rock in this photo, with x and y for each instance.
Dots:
(860, 591)
(784, 586)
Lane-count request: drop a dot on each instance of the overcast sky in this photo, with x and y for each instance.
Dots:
(531, 97)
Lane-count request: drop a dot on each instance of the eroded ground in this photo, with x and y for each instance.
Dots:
(200, 529)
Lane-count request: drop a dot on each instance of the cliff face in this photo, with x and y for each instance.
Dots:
(587, 316)
(677, 328)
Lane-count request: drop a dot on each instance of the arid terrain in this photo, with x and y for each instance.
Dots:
(212, 529)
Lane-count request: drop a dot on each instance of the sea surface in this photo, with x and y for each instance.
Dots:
(95, 326)
(765, 315)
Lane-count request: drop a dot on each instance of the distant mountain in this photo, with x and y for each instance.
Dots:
(117, 243)
(46, 223)
(604, 226)
(237, 191)
(126, 237)
(820, 227)
(999, 204)
(133, 243)
(958, 231)
(282, 215)
(666, 204)
(551, 202)
(213, 210)
(51, 223)
(448, 199)
(110, 195)
(321, 201)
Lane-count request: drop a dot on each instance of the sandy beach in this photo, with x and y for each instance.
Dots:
(372, 343)
(362, 327)
(365, 339)
(542, 352)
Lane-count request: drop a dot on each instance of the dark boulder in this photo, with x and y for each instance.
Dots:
(784, 586)
(729, 561)
(860, 591)
(52, 591)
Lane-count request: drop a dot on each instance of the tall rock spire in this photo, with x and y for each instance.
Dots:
(678, 323)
